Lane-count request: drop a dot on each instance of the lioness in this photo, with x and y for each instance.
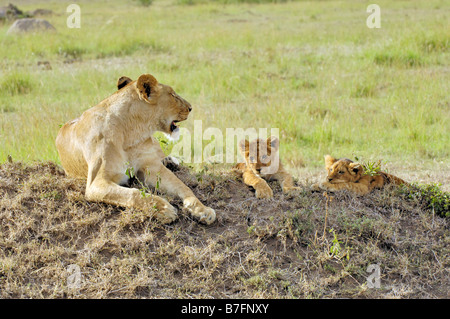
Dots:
(344, 174)
(115, 135)
(262, 161)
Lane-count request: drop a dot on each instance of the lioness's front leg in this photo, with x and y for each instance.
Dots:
(172, 185)
(262, 189)
(101, 187)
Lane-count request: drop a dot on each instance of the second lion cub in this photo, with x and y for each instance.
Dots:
(262, 163)
(344, 174)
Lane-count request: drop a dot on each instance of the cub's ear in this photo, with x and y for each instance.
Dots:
(329, 161)
(244, 145)
(354, 168)
(146, 85)
(123, 81)
(274, 143)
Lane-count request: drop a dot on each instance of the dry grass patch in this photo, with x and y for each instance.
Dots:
(294, 246)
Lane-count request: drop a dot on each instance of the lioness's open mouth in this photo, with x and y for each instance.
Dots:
(173, 126)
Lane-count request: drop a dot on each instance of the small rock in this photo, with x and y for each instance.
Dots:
(30, 25)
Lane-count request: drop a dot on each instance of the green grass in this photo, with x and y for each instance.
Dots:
(16, 84)
(430, 196)
(311, 68)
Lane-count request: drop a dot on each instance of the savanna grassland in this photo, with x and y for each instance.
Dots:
(314, 70)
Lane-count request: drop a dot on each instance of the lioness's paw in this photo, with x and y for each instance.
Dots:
(167, 217)
(206, 215)
(263, 191)
(165, 213)
(199, 211)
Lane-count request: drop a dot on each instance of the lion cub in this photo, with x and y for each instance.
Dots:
(344, 174)
(262, 161)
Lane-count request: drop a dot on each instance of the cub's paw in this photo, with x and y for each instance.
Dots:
(203, 214)
(317, 187)
(290, 189)
(263, 191)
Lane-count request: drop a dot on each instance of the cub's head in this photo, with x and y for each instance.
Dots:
(342, 170)
(166, 106)
(261, 155)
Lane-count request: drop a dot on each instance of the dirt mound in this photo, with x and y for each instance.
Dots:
(54, 244)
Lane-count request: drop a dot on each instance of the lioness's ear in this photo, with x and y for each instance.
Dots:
(329, 161)
(274, 143)
(146, 85)
(243, 146)
(123, 81)
(354, 168)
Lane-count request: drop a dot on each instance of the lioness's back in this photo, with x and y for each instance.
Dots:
(71, 156)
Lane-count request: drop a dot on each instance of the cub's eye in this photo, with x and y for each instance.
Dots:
(331, 169)
(264, 157)
(341, 172)
(252, 158)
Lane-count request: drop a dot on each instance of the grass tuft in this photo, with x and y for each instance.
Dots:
(17, 83)
(407, 59)
(430, 196)
(145, 3)
(435, 45)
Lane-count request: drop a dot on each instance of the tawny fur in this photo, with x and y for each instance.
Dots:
(116, 134)
(262, 163)
(344, 174)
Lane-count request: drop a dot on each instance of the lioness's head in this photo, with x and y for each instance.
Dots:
(342, 170)
(261, 155)
(167, 107)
